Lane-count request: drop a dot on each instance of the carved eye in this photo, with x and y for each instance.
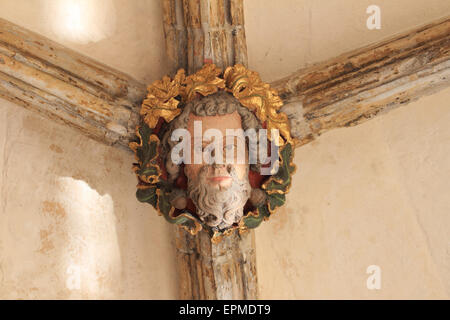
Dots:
(209, 149)
(229, 147)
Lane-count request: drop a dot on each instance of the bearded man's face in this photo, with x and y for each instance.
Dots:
(219, 191)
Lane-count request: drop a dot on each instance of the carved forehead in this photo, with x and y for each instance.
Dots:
(219, 122)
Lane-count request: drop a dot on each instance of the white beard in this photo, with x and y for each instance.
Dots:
(218, 207)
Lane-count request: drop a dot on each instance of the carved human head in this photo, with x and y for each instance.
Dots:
(214, 150)
(218, 187)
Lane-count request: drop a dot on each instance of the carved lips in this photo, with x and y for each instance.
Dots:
(220, 177)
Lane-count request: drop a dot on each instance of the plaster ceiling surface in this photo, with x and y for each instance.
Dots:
(282, 36)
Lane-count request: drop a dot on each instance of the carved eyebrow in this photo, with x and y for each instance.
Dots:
(204, 142)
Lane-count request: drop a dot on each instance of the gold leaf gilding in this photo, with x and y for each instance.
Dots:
(248, 88)
(160, 101)
(205, 82)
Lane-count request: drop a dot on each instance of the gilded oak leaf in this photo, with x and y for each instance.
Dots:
(257, 96)
(160, 101)
(204, 82)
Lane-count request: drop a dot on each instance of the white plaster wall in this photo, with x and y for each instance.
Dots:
(70, 225)
(373, 194)
(126, 35)
(286, 35)
(68, 203)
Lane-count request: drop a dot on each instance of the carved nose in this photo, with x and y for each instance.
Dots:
(218, 166)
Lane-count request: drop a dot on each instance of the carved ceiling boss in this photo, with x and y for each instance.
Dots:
(214, 152)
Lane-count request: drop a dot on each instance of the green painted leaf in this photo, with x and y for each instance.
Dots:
(252, 222)
(147, 195)
(148, 172)
(164, 204)
(183, 220)
(276, 200)
(148, 151)
(282, 179)
(147, 155)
